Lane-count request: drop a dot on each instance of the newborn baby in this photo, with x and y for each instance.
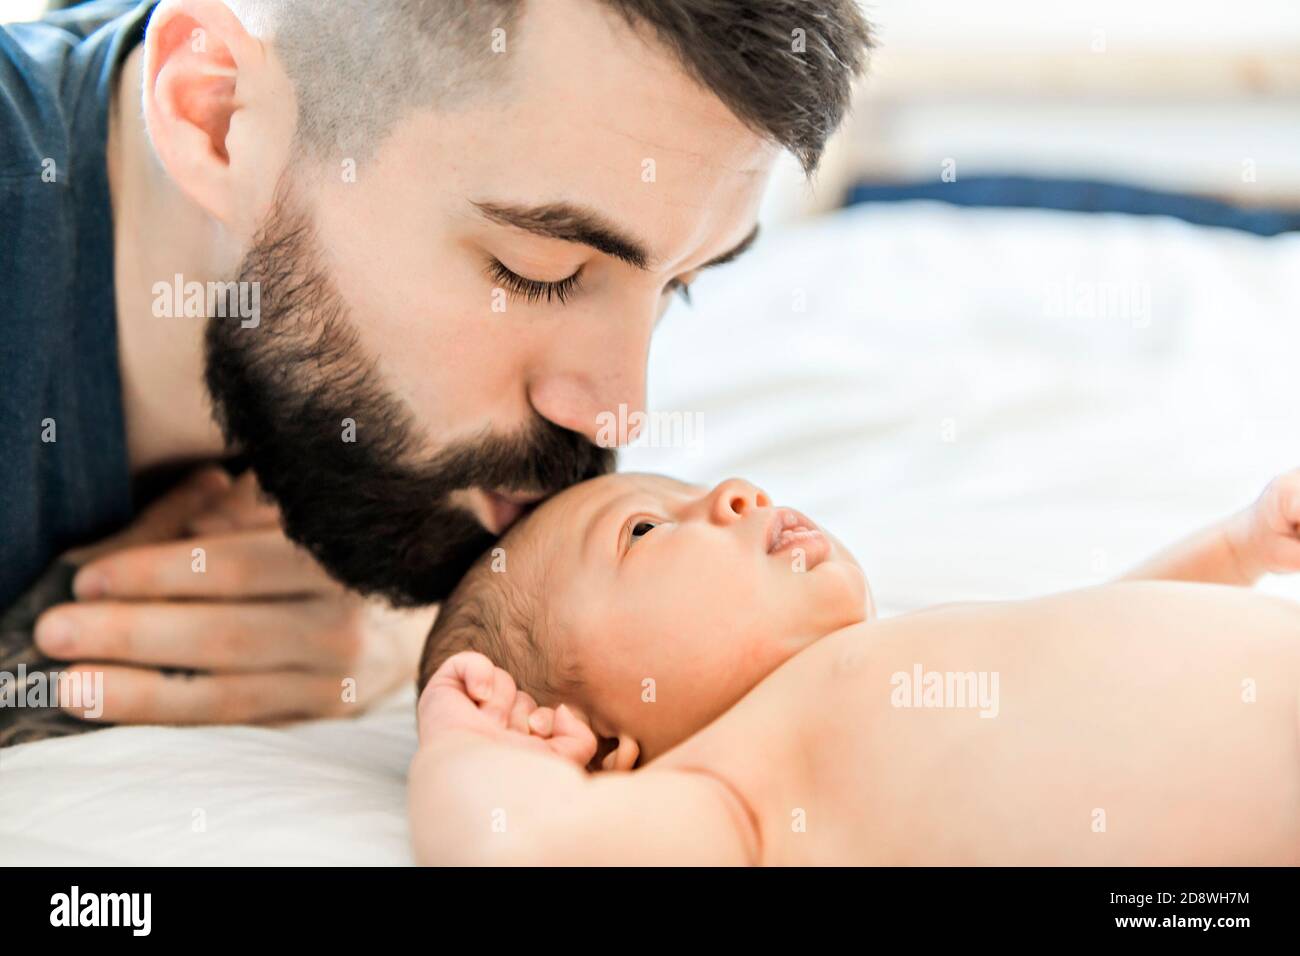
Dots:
(645, 672)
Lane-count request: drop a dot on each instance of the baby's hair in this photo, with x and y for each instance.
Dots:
(499, 611)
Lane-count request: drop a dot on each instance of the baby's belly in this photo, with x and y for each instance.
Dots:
(1136, 723)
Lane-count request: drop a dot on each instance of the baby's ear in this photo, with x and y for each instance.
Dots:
(614, 750)
(616, 753)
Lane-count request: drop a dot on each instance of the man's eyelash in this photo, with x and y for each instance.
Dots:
(532, 290)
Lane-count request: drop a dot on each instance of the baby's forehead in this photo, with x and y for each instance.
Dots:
(574, 507)
(600, 491)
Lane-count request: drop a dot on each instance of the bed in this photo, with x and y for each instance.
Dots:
(981, 403)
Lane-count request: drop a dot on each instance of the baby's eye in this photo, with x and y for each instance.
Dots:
(642, 528)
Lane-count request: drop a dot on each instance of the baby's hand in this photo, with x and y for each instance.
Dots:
(1266, 536)
(468, 692)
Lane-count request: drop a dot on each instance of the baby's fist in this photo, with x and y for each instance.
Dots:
(470, 693)
(1267, 535)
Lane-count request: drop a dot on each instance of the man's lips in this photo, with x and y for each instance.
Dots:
(788, 529)
(502, 509)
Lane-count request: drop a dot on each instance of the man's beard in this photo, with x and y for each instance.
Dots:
(374, 511)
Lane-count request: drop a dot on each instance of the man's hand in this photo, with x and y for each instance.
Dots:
(469, 693)
(1266, 536)
(206, 582)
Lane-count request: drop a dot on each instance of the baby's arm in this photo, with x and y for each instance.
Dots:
(498, 780)
(1262, 539)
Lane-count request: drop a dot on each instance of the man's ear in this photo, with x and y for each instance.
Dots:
(201, 68)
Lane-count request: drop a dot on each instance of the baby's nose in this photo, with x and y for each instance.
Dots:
(734, 498)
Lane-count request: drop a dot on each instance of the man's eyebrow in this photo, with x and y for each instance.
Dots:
(738, 250)
(570, 223)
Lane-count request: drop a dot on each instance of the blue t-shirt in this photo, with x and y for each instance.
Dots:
(64, 473)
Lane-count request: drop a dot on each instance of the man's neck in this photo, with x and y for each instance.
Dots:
(158, 234)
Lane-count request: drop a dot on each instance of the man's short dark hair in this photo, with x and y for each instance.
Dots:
(784, 67)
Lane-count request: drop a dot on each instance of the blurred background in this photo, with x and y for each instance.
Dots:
(24, 9)
(1192, 97)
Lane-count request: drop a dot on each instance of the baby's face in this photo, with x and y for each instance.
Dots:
(674, 601)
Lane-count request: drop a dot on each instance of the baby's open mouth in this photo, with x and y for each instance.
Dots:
(789, 529)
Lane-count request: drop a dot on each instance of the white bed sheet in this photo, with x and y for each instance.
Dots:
(931, 403)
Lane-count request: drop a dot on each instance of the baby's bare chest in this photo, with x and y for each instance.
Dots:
(932, 737)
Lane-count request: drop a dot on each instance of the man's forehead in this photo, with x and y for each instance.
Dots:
(598, 98)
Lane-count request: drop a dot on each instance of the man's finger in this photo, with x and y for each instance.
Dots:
(133, 695)
(166, 518)
(248, 564)
(240, 508)
(202, 636)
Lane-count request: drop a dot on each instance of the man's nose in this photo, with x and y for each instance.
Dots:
(597, 389)
(733, 499)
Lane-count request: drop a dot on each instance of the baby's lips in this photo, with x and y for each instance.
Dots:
(787, 519)
(790, 530)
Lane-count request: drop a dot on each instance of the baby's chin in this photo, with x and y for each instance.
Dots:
(843, 594)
